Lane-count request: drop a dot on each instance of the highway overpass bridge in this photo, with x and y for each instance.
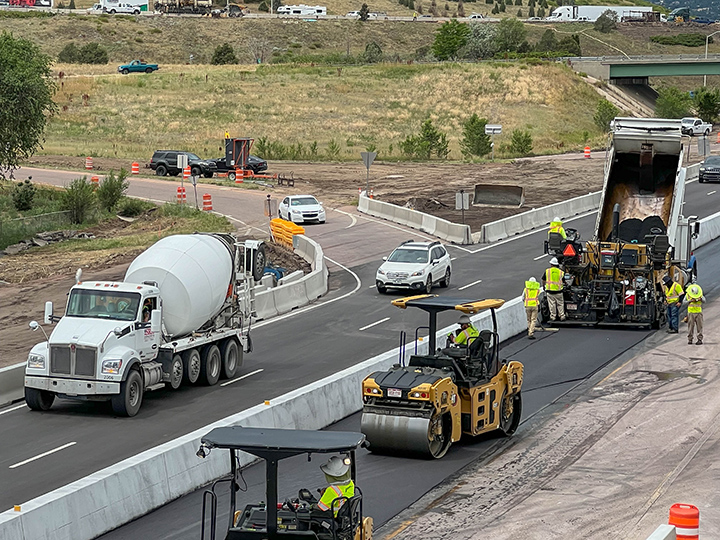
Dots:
(636, 69)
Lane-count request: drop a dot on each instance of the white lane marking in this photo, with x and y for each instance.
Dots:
(469, 285)
(242, 377)
(714, 191)
(63, 447)
(264, 231)
(313, 306)
(374, 324)
(453, 258)
(387, 224)
(371, 287)
(354, 220)
(11, 409)
(540, 257)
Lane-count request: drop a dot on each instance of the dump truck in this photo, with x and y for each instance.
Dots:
(421, 408)
(640, 234)
(181, 314)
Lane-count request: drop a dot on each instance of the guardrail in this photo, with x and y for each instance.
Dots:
(120, 493)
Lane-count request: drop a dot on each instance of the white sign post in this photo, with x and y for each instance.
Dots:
(368, 158)
(462, 202)
(492, 130)
(182, 162)
(194, 179)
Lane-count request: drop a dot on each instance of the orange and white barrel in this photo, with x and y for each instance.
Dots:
(186, 172)
(135, 169)
(95, 181)
(181, 196)
(88, 163)
(686, 519)
(207, 202)
(587, 152)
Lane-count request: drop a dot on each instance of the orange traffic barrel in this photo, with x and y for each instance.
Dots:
(95, 181)
(135, 169)
(686, 519)
(181, 196)
(587, 152)
(88, 163)
(207, 202)
(718, 137)
(186, 172)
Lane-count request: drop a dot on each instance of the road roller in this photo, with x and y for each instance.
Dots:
(421, 407)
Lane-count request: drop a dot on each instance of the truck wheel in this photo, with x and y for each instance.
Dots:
(195, 171)
(257, 265)
(125, 71)
(161, 170)
(128, 401)
(191, 366)
(231, 176)
(176, 373)
(211, 365)
(231, 358)
(39, 400)
(147, 70)
(208, 175)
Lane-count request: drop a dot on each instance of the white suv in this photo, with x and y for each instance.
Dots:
(416, 266)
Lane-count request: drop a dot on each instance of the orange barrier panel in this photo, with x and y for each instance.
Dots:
(686, 519)
(283, 231)
(88, 163)
(207, 202)
(181, 195)
(587, 152)
(135, 169)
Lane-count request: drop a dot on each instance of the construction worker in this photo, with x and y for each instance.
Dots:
(337, 474)
(695, 298)
(466, 334)
(556, 226)
(530, 298)
(673, 295)
(552, 281)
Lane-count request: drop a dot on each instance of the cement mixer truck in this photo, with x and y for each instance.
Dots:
(182, 314)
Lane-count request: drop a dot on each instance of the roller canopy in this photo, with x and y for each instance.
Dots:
(433, 302)
(285, 442)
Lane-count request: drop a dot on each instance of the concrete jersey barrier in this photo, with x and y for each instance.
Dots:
(12, 383)
(127, 490)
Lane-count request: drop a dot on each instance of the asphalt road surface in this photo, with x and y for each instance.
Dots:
(291, 351)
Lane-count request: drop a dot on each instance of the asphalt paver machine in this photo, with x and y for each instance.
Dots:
(293, 518)
(423, 407)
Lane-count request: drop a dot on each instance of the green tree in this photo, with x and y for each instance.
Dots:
(531, 12)
(519, 14)
(706, 103)
(607, 22)
(495, 10)
(224, 54)
(510, 34)
(672, 103)
(474, 141)
(93, 53)
(570, 45)
(481, 41)
(263, 6)
(79, 199)
(449, 39)
(70, 54)
(72, 4)
(26, 92)
(373, 53)
(460, 9)
(541, 12)
(521, 142)
(428, 142)
(604, 114)
(112, 189)
(364, 12)
(548, 42)
(502, 8)
(23, 195)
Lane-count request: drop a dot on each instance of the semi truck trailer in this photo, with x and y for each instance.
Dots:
(181, 314)
(592, 13)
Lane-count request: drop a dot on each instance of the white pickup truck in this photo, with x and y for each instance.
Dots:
(695, 126)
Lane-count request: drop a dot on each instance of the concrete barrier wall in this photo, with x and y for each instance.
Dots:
(709, 230)
(12, 383)
(442, 228)
(297, 292)
(664, 532)
(118, 494)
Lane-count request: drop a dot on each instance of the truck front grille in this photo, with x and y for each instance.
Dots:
(69, 360)
(60, 360)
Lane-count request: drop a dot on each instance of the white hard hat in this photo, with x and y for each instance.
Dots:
(533, 280)
(557, 219)
(336, 466)
(694, 289)
(554, 261)
(464, 319)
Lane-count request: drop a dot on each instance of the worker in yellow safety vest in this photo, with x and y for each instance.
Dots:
(337, 474)
(695, 298)
(673, 296)
(466, 334)
(556, 226)
(530, 298)
(552, 281)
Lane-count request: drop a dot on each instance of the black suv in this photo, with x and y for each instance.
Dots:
(164, 162)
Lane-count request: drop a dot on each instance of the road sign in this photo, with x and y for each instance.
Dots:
(193, 179)
(182, 161)
(462, 200)
(368, 158)
(493, 129)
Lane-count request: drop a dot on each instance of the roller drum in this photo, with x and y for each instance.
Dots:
(398, 434)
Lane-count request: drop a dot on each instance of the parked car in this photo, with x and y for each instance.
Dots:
(254, 163)
(301, 209)
(137, 66)
(165, 162)
(695, 126)
(710, 170)
(416, 266)
(476, 16)
(97, 8)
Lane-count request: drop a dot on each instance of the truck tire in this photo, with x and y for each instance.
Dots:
(161, 170)
(129, 400)
(195, 171)
(231, 358)
(232, 176)
(125, 71)
(147, 70)
(191, 366)
(208, 175)
(211, 365)
(257, 266)
(39, 400)
(176, 373)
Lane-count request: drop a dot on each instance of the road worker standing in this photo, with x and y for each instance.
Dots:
(695, 298)
(673, 296)
(530, 298)
(552, 281)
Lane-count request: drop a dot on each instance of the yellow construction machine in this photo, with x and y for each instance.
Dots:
(423, 407)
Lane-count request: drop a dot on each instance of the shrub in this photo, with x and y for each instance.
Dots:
(93, 53)
(521, 142)
(112, 189)
(481, 42)
(570, 45)
(688, 40)
(224, 54)
(263, 7)
(672, 103)
(428, 142)
(128, 207)
(510, 34)
(333, 149)
(364, 13)
(449, 39)
(23, 195)
(607, 22)
(604, 114)
(706, 103)
(373, 53)
(475, 142)
(79, 199)
(69, 54)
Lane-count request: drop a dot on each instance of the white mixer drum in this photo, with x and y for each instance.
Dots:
(193, 272)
